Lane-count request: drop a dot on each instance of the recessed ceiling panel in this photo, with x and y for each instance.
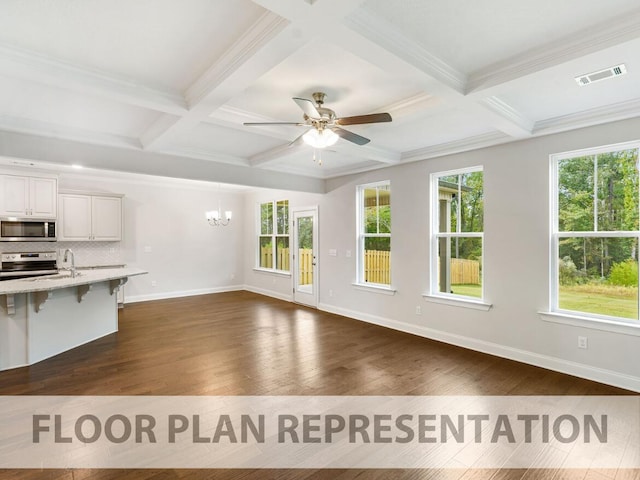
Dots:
(448, 126)
(353, 86)
(469, 35)
(20, 99)
(164, 43)
(554, 92)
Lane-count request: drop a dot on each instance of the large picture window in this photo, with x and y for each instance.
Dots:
(457, 233)
(374, 234)
(273, 236)
(595, 234)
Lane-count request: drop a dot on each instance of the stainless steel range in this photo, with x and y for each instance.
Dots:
(21, 265)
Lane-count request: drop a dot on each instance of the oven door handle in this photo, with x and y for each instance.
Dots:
(22, 273)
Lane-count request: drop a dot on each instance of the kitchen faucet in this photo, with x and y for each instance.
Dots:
(73, 261)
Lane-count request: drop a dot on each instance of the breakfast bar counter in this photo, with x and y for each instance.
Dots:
(43, 316)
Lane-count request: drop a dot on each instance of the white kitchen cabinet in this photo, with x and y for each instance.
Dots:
(26, 196)
(90, 217)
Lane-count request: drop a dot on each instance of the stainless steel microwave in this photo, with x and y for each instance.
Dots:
(27, 230)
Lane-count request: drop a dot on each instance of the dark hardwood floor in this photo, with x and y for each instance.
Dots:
(246, 344)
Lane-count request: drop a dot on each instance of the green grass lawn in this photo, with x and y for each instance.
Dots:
(602, 300)
(468, 290)
(599, 299)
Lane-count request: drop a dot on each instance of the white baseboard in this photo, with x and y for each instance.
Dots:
(269, 293)
(608, 377)
(184, 293)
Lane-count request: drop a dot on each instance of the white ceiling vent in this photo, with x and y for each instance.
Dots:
(601, 75)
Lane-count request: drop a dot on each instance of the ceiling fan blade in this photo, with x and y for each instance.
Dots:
(307, 107)
(261, 124)
(350, 136)
(362, 119)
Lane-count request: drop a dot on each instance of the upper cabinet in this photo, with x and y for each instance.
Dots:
(26, 196)
(85, 217)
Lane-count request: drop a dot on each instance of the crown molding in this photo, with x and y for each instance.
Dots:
(417, 103)
(354, 169)
(381, 32)
(369, 152)
(587, 118)
(258, 35)
(589, 40)
(273, 154)
(32, 66)
(457, 146)
(51, 130)
(509, 113)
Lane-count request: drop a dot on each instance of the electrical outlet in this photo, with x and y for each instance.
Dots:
(147, 249)
(418, 310)
(583, 343)
(347, 254)
(154, 283)
(233, 276)
(331, 293)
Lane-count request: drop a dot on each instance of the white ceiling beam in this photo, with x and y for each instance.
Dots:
(593, 39)
(52, 130)
(587, 118)
(263, 46)
(268, 42)
(387, 37)
(324, 12)
(35, 67)
(368, 152)
(390, 50)
(506, 118)
(456, 146)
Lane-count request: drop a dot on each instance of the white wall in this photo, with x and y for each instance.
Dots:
(516, 220)
(187, 255)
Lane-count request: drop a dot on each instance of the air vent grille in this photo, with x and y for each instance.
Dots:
(601, 75)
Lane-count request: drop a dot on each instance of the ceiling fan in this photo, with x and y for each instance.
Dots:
(323, 127)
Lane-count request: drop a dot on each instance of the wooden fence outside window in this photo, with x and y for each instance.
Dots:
(377, 266)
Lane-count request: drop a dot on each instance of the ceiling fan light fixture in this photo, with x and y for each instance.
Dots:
(320, 138)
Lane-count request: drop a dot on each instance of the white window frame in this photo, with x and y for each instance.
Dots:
(361, 235)
(274, 236)
(575, 317)
(434, 294)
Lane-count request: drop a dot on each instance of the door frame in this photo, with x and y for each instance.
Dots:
(315, 296)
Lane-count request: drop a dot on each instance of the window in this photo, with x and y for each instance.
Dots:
(457, 233)
(595, 233)
(273, 237)
(374, 234)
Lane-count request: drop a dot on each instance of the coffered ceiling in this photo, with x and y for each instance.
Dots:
(167, 84)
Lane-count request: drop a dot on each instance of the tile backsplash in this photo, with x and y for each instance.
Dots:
(86, 253)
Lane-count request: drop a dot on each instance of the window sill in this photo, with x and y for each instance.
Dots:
(590, 322)
(279, 273)
(365, 287)
(458, 302)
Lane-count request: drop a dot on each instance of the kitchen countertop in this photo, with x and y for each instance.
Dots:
(63, 279)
